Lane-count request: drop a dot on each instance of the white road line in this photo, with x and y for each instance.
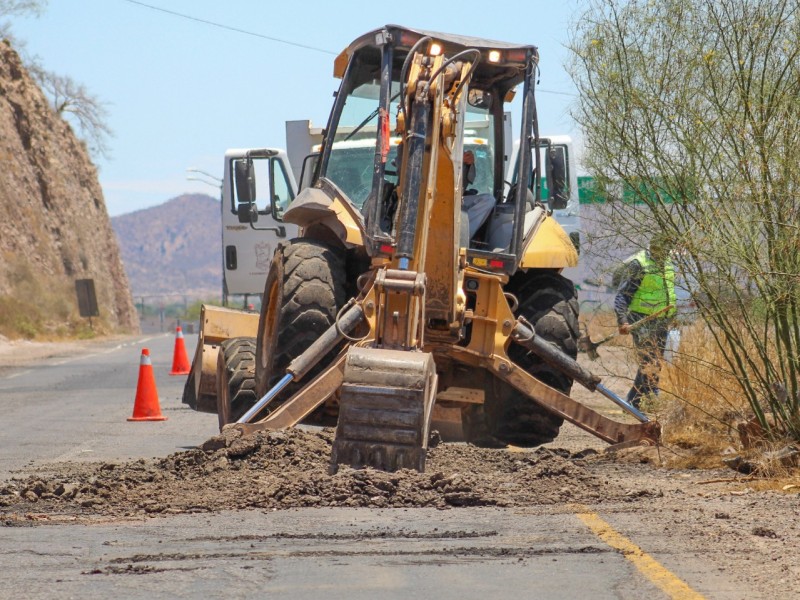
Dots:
(108, 351)
(17, 374)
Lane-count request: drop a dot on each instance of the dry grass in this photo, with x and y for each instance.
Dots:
(789, 484)
(44, 310)
(701, 402)
(699, 406)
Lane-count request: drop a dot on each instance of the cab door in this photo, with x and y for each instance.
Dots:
(248, 244)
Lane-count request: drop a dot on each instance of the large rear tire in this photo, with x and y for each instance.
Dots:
(305, 290)
(236, 379)
(548, 301)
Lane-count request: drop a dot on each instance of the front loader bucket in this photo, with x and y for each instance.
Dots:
(385, 409)
(217, 324)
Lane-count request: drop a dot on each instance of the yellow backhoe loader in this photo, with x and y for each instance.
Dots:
(399, 302)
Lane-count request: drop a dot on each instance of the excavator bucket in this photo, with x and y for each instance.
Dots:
(386, 400)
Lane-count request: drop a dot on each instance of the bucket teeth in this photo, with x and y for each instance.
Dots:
(385, 457)
(384, 410)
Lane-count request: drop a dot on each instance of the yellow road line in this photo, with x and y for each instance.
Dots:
(669, 583)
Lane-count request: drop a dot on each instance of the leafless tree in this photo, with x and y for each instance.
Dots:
(73, 101)
(16, 8)
(70, 99)
(691, 118)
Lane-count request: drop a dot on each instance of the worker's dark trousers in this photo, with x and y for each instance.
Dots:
(650, 341)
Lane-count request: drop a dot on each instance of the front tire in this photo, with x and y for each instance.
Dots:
(305, 290)
(236, 384)
(548, 301)
(475, 427)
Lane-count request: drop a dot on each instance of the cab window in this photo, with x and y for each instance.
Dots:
(282, 193)
(479, 139)
(352, 158)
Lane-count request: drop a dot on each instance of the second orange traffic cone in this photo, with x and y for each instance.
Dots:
(146, 407)
(180, 360)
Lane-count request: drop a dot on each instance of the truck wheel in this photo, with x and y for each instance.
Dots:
(236, 379)
(549, 301)
(305, 290)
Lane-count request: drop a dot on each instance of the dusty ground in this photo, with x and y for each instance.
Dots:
(716, 514)
(718, 511)
(290, 469)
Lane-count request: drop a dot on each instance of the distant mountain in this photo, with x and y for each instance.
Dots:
(174, 248)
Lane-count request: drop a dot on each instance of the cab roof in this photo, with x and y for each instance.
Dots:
(405, 37)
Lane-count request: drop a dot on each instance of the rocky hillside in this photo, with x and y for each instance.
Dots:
(173, 249)
(54, 227)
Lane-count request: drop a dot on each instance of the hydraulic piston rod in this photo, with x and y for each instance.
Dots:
(525, 335)
(306, 361)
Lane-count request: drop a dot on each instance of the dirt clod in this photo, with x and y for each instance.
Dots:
(764, 532)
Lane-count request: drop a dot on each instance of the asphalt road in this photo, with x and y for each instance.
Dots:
(313, 553)
(73, 407)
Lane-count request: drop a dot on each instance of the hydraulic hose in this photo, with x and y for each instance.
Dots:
(313, 354)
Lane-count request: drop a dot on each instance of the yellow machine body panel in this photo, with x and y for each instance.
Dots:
(353, 234)
(217, 324)
(549, 248)
(325, 207)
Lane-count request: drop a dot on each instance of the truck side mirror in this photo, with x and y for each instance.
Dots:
(245, 177)
(556, 170)
(247, 212)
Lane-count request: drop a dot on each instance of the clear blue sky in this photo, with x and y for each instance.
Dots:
(180, 91)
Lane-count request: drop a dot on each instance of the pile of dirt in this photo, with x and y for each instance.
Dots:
(287, 469)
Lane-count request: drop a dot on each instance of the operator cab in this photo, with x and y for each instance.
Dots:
(359, 155)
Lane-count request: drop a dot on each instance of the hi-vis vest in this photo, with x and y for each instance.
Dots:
(657, 289)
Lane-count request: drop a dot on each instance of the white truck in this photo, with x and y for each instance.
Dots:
(250, 233)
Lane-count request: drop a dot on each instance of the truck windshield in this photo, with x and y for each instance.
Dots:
(351, 162)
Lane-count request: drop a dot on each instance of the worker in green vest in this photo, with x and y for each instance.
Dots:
(647, 286)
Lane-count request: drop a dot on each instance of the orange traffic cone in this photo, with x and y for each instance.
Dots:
(145, 407)
(180, 361)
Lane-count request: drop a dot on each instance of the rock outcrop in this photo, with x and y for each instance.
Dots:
(54, 227)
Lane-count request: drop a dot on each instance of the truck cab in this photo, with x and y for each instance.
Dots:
(251, 224)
